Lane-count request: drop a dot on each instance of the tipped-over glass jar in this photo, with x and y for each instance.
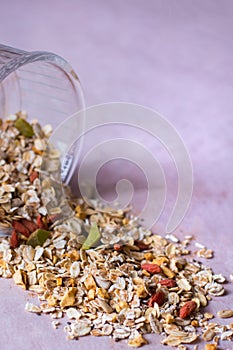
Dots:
(47, 88)
(44, 85)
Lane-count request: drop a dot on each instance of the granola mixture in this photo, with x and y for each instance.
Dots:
(97, 267)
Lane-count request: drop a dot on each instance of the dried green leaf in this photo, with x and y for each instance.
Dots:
(92, 238)
(38, 237)
(24, 127)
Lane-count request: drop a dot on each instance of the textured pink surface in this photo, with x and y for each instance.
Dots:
(173, 56)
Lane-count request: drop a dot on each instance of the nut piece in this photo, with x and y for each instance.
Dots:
(90, 282)
(69, 298)
(168, 272)
(210, 347)
(137, 341)
(225, 313)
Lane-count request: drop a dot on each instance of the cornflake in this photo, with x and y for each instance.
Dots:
(87, 267)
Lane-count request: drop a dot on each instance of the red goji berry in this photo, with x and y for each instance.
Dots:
(168, 283)
(20, 228)
(158, 297)
(187, 308)
(152, 268)
(14, 240)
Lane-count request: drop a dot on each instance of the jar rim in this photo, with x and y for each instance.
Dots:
(25, 57)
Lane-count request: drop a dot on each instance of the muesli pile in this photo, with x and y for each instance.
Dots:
(96, 267)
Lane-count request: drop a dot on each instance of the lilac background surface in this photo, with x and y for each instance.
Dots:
(173, 56)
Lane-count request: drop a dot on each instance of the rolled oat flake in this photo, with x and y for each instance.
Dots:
(225, 313)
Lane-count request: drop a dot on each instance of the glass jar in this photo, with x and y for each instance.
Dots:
(45, 86)
(40, 82)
